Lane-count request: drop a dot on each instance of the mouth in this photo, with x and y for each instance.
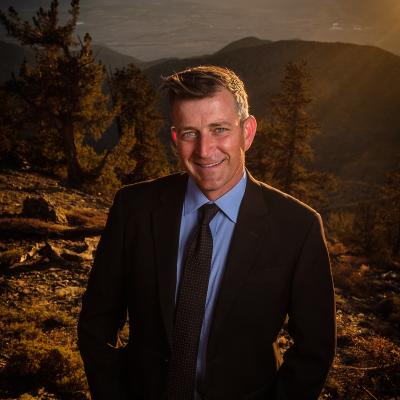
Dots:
(210, 165)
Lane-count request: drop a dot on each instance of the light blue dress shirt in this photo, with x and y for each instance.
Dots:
(222, 226)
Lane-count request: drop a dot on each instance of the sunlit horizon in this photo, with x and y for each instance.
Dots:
(150, 30)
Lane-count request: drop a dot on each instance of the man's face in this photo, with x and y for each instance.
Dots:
(211, 141)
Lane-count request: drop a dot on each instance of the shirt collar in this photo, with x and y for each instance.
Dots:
(229, 203)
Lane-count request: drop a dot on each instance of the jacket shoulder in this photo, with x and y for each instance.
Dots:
(283, 206)
(151, 190)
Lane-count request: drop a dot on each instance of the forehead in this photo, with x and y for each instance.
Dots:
(220, 105)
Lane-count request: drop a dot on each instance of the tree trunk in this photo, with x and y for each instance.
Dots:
(75, 174)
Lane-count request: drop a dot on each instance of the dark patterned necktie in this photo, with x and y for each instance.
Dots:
(189, 312)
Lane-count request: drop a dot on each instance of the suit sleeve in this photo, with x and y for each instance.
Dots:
(311, 322)
(103, 313)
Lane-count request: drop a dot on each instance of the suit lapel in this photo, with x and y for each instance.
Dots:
(246, 241)
(166, 226)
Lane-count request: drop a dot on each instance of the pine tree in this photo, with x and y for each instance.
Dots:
(136, 98)
(260, 157)
(61, 95)
(9, 129)
(282, 153)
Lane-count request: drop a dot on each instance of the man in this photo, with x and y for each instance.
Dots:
(208, 264)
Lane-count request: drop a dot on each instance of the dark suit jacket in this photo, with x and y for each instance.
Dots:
(277, 265)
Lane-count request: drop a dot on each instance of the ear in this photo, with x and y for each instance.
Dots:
(173, 134)
(249, 129)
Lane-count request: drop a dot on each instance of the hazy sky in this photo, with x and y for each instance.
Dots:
(150, 29)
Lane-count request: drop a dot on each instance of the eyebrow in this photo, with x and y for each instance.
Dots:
(219, 123)
(211, 125)
(185, 128)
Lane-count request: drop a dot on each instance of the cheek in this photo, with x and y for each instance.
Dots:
(233, 146)
(184, 150)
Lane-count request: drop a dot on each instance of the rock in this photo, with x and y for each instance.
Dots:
(77, 247)
(50, 252)
(42, 208)
(366, 324)
(349, 358)
(31, 253)
(69, 292)
(386, 307)
(71, 256)
(10, 257)
(344, 341)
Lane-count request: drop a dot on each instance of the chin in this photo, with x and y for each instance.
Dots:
(210, 186)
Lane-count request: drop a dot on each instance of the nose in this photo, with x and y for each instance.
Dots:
(204, 146)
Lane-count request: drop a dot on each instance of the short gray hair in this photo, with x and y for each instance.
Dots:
(204, 81)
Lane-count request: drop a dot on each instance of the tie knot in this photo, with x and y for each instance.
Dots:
(208, 212)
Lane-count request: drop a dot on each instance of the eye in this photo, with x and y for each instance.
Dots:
(220, 129)
(188, 135)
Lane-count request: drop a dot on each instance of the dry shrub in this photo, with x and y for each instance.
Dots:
(33, 364)
(39, 394)
(30, 322)
(86, 217)
(374, 369)
(383, 358)
(377, 351)
(340, 225)
(352, 278)
(337, 249)
(28, 226)
(37, 362)
(31, 227)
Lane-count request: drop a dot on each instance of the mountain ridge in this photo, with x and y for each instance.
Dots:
(356, 91)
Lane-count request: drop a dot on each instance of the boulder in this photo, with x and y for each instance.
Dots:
(42, 208)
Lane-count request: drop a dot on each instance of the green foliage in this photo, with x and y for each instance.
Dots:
(120, 164)
(260, 157)
(282, 153)
(133, 94)
(61, 99)
(6, 136)
(12, 145)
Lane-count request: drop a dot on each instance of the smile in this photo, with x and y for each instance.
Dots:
(210, 165)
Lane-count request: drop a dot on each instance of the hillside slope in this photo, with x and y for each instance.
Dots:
(43, 277)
